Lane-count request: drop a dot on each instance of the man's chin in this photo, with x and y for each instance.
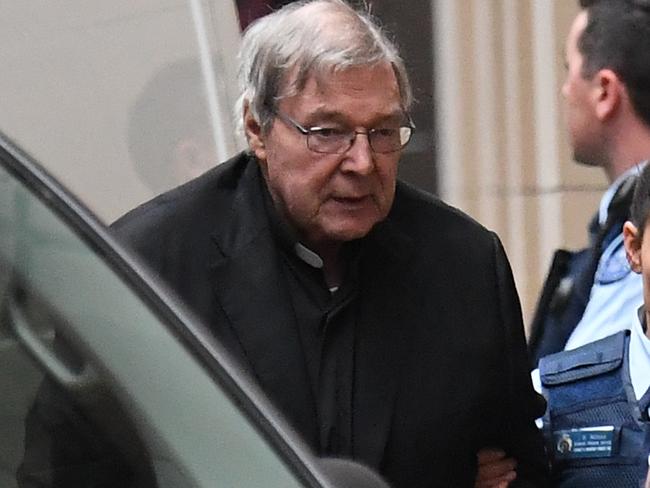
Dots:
(587, 160)
(349, 232)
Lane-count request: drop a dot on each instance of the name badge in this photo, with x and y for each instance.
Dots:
(587, 442)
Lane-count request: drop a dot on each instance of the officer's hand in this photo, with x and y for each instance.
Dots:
(495, 470)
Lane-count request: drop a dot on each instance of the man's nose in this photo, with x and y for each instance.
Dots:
(359, 158)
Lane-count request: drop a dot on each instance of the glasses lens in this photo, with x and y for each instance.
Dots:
(389, 140)
(332, 141)
(405, 135)
(328, 141)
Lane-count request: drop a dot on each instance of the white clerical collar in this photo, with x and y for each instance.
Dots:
(308, 256)
(312, 259)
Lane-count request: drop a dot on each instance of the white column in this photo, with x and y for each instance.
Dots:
(548, 174)
(217, 46)
(516, 244)
(448, 107)
(486, 120)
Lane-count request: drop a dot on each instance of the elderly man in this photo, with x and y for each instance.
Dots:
(384, 324)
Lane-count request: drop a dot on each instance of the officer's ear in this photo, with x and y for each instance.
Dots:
(608, 93)
(632, 241)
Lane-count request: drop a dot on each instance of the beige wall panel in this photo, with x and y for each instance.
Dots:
(507, 155)
(467, 77)
(526, 132)
(528, 278)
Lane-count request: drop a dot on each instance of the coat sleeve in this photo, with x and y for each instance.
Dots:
(523, 405)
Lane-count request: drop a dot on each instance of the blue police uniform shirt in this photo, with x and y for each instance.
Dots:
(639, 359)
(617, 292)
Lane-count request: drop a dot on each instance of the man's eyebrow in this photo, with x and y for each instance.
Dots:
(324, 115)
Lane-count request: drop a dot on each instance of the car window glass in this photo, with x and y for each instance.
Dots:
(140, 403)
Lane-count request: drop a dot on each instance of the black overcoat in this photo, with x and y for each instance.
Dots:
(440, 360)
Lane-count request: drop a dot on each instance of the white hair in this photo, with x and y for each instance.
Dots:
(310, 37)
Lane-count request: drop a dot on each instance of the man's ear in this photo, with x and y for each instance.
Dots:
(632, 243)
(608, 90)
(254, 135)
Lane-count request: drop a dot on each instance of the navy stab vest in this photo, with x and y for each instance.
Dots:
(597, 434)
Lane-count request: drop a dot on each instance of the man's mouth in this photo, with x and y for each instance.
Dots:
(350, 198)
(351, 202)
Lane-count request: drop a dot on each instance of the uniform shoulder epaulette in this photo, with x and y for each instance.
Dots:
(590, 360)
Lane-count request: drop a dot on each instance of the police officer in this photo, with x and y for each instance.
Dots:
(596, 425)
(592, 293)
(589, 294)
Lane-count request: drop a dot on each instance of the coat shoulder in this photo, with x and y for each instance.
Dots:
(182, 206)
(421, 214)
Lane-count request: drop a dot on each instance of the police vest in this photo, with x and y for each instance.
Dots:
(597, 435)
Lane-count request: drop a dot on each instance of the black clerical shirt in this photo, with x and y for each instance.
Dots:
(326, 321)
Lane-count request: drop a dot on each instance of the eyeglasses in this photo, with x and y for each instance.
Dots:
(332, 140)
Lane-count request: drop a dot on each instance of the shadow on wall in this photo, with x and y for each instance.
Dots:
(169, 131)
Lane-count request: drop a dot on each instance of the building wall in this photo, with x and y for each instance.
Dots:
(494, 126)
(503, 154)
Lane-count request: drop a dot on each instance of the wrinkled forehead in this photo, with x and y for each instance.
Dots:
(296, 80)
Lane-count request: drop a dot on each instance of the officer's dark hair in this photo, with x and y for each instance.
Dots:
(171, 105)
(617, 37)
(640, 207)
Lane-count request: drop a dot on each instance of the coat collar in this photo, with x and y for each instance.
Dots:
(250, 288)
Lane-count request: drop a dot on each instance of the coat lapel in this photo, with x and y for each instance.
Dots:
(251, 290)
(380, 344)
